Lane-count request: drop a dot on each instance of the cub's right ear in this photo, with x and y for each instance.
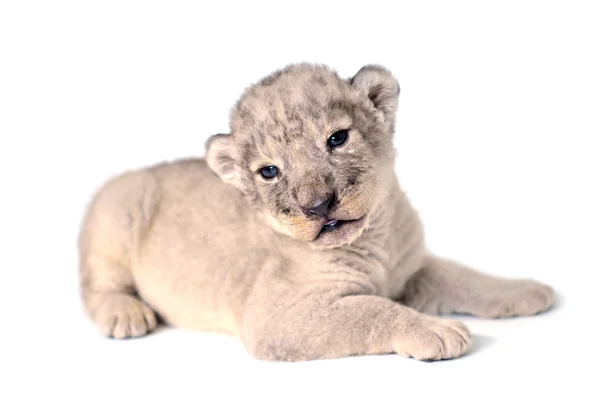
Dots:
(221, 158)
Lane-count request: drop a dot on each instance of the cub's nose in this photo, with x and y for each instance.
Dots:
(321, 206)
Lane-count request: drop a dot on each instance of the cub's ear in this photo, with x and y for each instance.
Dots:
(221, 157)
(380, 86)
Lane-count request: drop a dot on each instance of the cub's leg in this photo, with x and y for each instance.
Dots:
(114, 224)
(340, 319)
(443, 286)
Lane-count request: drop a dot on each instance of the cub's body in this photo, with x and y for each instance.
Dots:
(197, 252)
(292, 234)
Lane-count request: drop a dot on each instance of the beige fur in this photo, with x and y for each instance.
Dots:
(211, 245)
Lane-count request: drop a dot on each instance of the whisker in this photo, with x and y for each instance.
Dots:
(372, 189)
(382, 186)
(363, 191)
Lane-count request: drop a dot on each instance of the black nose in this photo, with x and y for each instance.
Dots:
(322, 207)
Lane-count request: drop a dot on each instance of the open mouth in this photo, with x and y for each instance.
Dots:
(337, 231)
(332, 225)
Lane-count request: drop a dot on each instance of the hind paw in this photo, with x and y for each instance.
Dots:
(122, 316)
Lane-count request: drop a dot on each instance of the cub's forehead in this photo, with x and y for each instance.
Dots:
(294, 98)
(293, 108)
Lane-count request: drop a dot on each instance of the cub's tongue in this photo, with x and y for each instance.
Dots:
(331, 223)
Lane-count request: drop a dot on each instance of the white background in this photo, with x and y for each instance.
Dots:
(498, 148)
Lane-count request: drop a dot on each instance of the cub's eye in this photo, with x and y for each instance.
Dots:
(269, 172)
(337, 138)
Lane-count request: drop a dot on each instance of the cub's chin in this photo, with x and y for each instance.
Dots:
(337, 233)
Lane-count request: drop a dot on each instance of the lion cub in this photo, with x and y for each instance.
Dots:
(292, 234)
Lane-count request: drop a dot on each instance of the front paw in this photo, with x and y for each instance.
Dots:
(428, 338)
(514, 298)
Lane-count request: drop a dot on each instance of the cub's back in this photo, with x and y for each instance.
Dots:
(197, 209)
(201, 253)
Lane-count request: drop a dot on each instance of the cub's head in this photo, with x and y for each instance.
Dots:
(312, 150)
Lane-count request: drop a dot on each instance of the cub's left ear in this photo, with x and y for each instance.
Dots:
(380, 86)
